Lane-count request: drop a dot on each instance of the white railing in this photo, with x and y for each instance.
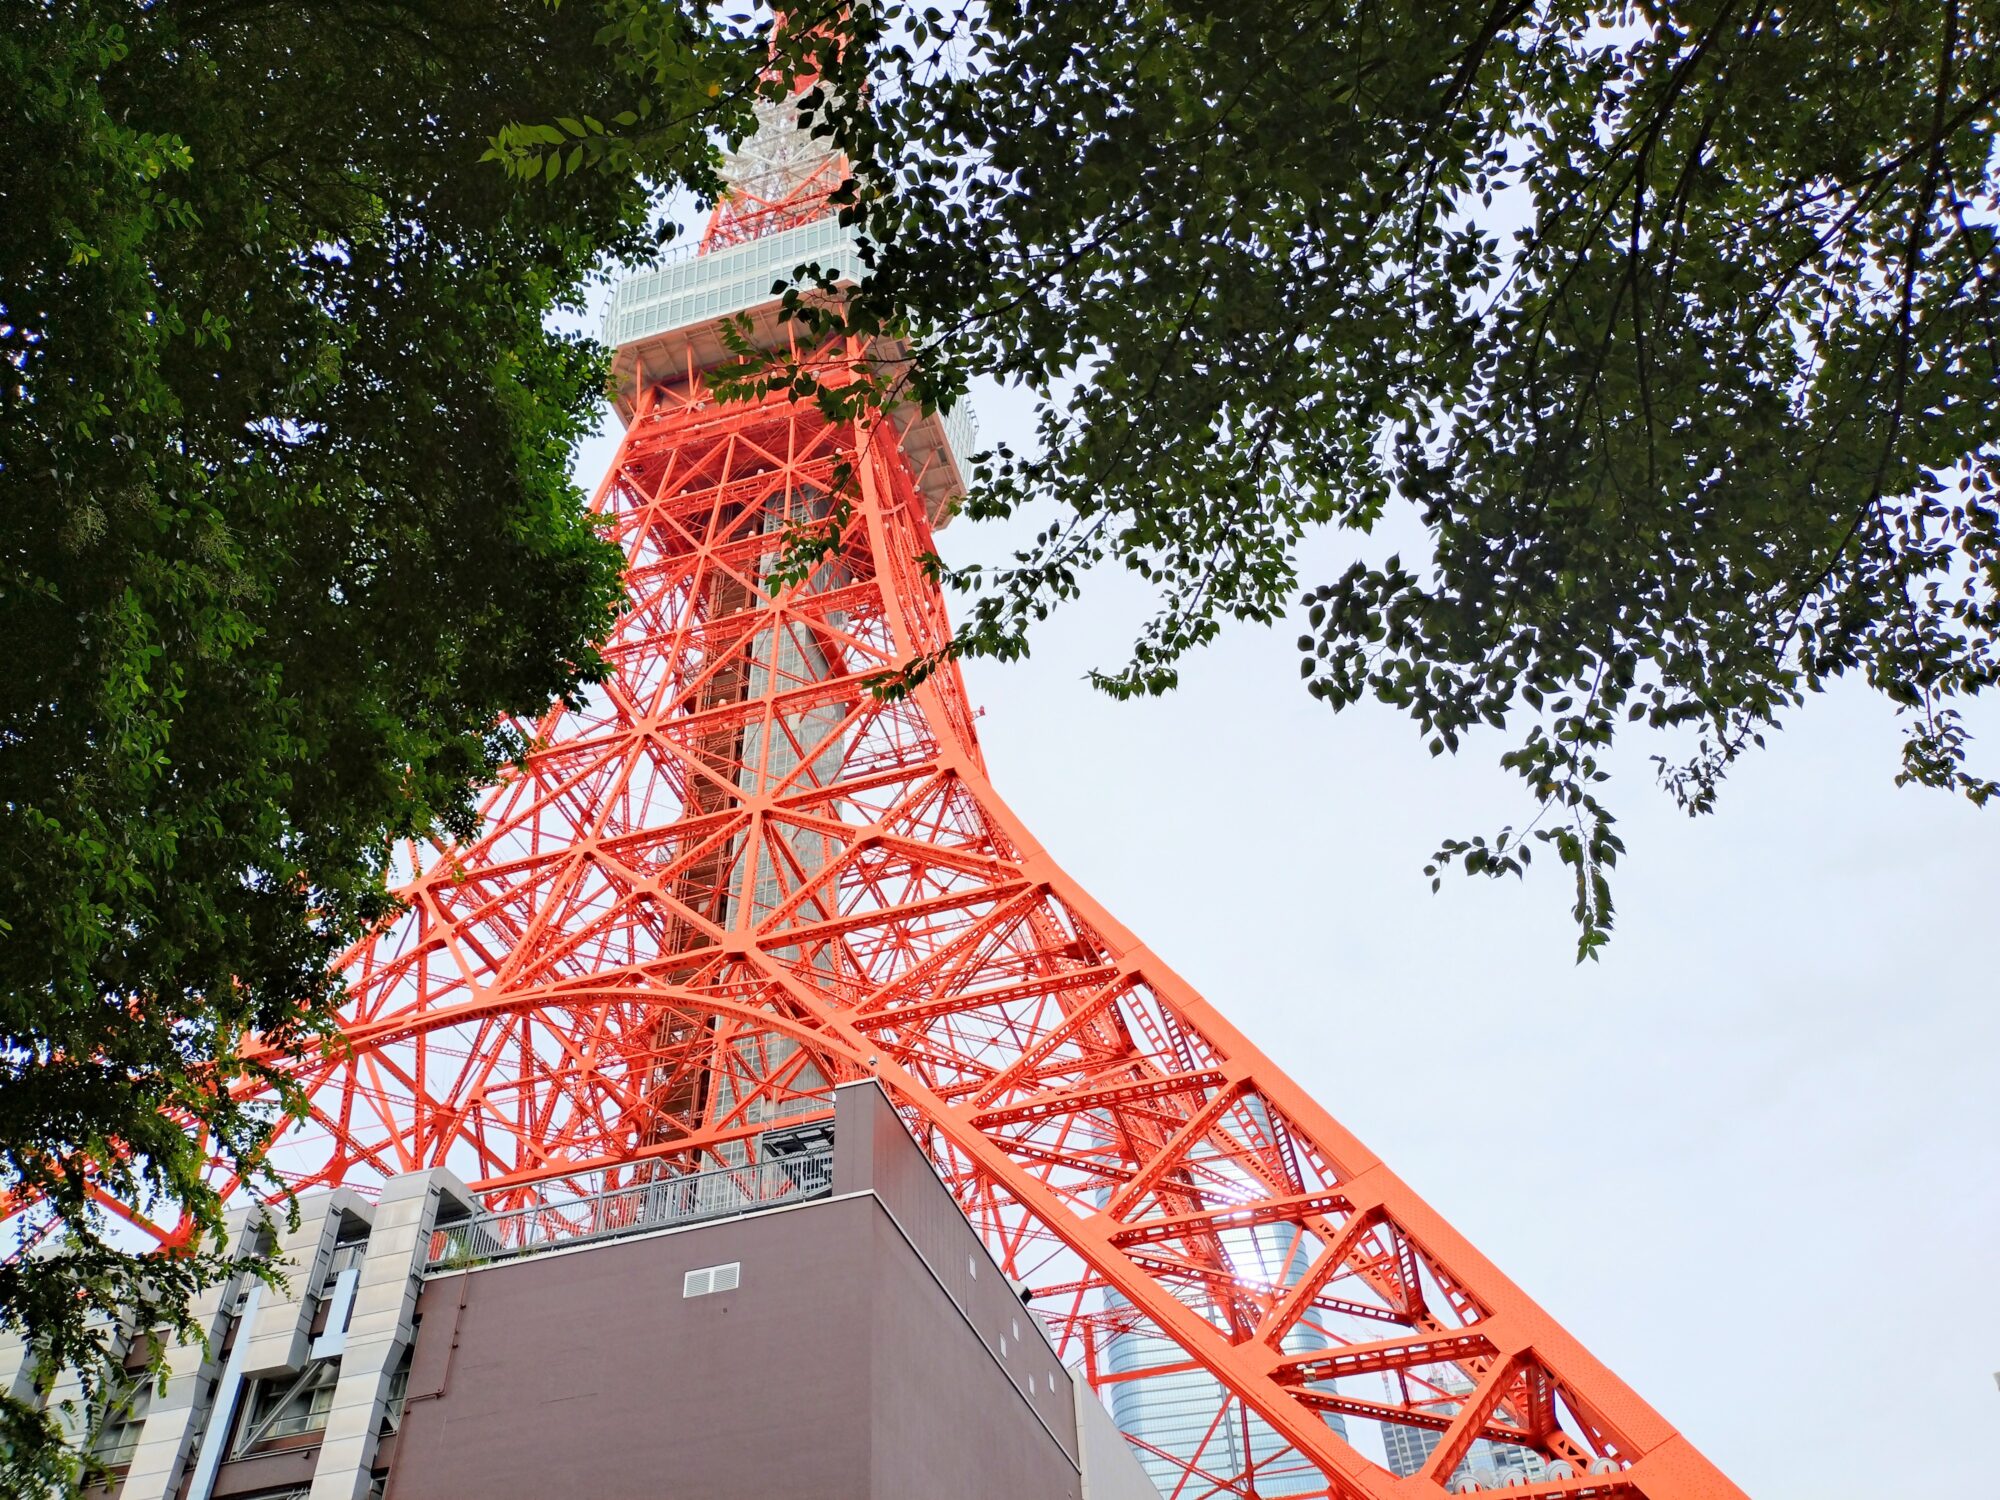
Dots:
(638, 1209)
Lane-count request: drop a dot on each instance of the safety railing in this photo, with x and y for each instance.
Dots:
(638, 1209)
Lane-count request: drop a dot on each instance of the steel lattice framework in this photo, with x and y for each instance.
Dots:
(740, 874)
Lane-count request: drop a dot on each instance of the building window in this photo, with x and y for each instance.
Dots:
(288, 1406)
(399, 1392)
(712, 1279)
(347, 1255)
(118, 1427)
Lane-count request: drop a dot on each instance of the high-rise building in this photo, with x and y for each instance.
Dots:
(1184, 1419)
(1489, 1464)
(1492, 1465)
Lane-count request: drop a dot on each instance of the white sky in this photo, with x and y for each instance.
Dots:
(1748, 1158)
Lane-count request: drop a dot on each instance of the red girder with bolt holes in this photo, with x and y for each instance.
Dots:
(737, 875)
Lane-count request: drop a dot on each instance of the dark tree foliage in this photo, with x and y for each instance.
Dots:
(285, 529)
(1673, 326)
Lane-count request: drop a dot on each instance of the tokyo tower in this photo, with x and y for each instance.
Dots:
(738, 876)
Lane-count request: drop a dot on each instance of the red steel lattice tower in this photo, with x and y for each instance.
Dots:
(737, 876)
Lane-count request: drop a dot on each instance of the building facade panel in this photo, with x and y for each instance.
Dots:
(757, 1391)
(853, 1342)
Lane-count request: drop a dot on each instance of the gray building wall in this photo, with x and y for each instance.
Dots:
(866, 1348)
(837, 1369)
(869, 1349)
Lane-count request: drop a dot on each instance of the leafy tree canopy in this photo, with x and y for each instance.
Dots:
(285, 529)
(1673, 325)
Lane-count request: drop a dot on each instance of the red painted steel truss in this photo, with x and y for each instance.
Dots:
(739, 875)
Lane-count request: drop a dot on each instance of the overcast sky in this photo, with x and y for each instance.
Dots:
(1748, 1158)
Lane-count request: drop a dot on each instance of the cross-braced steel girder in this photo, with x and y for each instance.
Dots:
(739, 874)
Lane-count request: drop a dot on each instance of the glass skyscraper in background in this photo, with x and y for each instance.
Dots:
(1494, 1465)
(1183, 1413)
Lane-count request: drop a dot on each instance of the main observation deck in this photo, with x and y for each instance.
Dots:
(663, 322)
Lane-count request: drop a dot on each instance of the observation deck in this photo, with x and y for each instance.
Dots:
(663, 323)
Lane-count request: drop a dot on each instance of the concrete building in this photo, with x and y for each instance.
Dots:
(822, 1326)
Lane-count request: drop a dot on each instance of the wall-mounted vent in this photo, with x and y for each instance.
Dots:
(712, 1279)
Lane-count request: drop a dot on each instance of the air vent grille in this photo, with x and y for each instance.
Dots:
(706, 1279)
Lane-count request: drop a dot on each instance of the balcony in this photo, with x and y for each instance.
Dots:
(666, 1203)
